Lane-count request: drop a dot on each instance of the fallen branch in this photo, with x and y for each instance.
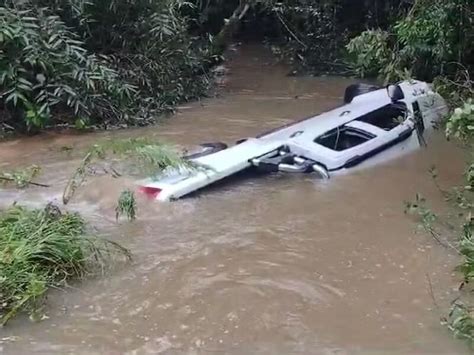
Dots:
(3, 178)
(290, 31)
(430, 289)
(224, 36)
(22, 178)
(77, 179)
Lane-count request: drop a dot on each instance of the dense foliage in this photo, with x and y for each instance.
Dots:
(432, 38)
(45, 68)
(122, 62)
(95, 62)
(315, 32)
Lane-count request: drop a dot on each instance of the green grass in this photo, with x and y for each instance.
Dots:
(127, 205)
(45, 248)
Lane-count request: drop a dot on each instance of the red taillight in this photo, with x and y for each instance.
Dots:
(150, 192)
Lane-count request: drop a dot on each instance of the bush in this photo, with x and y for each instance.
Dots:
(96, 62)
(42, 249)
(426, 42)
(370, 52)
(151, 48)
(46, 70)
(461, 123)
(427, 37)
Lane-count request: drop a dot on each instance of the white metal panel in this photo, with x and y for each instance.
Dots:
(376, 131)
(218, 166)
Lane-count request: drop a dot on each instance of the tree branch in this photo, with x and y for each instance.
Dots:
(27, 182)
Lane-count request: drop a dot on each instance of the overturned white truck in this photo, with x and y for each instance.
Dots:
(374, 125)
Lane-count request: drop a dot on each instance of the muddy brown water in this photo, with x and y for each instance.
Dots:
(274, 265)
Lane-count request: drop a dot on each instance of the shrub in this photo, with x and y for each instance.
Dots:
(44, 248)
(46, 70)
(82, 62)
(426, 42)
(461, 123)
(370, 52)
(151, 48)
(427, 37)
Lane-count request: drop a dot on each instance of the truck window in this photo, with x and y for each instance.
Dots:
(343, 138)
(387, 117)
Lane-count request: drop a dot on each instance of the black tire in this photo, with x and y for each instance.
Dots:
(355, 90)
(207, 148)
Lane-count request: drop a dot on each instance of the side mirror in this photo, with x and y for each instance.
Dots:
(395, 92)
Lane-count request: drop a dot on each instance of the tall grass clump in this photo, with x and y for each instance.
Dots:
(126, 205)
(42, 249)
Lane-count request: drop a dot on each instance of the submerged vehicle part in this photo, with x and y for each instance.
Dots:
(373, 126)
(355, 90)
(206, 149)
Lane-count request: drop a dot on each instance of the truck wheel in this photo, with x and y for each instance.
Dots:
(355, 90)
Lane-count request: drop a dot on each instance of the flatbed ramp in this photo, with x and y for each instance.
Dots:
(211, 168)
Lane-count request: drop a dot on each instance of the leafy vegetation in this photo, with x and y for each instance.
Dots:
(42, 249)
(47, 70)
(84, 63)
(428, 39)
(461, 321)
(461, 123)
(371, 51)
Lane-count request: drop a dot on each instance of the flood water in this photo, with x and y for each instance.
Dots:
(274, 265)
